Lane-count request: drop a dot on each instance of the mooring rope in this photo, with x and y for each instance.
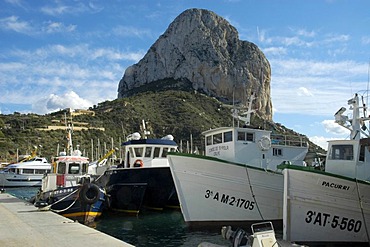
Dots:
(255, 201)
(61, 210)
(253, 195)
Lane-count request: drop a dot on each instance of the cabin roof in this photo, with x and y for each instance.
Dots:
(150, 141)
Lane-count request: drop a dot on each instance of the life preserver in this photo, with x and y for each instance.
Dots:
(89, 193)
(138, 163)
(264, 143)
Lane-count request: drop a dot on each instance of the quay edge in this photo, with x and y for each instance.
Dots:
(23, 225)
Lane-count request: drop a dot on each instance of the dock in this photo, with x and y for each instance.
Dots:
(22, 224)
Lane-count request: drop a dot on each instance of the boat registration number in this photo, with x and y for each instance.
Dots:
(333, 221)
(229, 200)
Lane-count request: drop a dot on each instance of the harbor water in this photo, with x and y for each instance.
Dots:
(149, 228)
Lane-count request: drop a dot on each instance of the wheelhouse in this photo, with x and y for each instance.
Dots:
(349, 158)
(147, 151)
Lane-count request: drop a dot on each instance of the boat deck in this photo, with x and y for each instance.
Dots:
(22, 224)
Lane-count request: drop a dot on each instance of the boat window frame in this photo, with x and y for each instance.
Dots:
(62, 168)
(139, 152)
(41, 171)
(217, 138)
(277, 152)
(165, 150)
(156, 152)
(341, 152)
(85, 167)
(228, 136)
(246, 136)
(28, 171)
(148, 154)
(209, 140)
(71, 166)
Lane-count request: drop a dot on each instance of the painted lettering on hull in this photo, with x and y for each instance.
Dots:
(216, 151)
(229, 200)
(335, 185)
(322, 219)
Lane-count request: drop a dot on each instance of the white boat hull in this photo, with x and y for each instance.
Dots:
(215, 191)
(19, 180)
(323, 208)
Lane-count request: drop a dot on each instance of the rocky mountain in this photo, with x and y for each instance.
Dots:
(202, 51)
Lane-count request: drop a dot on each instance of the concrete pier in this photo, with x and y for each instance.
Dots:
(22, 224)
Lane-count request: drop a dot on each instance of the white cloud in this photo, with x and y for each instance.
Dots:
(365, 40)
(302, 91)
(320, 141)
(128, 31)
(56, 102)
(58, 27)
(77, 8)
(14, 24)
(305, 33)
(333, 128)
(275, 51)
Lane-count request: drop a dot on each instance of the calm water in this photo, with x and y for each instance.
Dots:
(161, 229)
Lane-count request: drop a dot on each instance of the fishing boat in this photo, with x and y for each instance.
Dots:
(70, 190)
(332, 206)
(144, 178)
(25, 173)
(237, 181)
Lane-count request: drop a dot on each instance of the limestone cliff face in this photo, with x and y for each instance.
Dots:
(204, 49)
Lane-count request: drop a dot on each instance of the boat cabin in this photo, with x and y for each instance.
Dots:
(67, 171)
(33, 166)
(255, 147)
(147, 152)
(350, 158)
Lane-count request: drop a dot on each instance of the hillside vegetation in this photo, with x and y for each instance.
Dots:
(185, 115)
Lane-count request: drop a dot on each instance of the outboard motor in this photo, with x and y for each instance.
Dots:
(238, 237)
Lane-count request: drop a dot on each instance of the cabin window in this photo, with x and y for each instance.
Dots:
(40, 171)
(164, 152)
(245, 136)
(217, 138)
(139, 152)
(208, 140)
(277, 152)
(241, 136)
(341, 152)
(362, 153)
(250, 137)
(156, 152)
(148, 152)
(28, 171)
(10, 170)
(74, 168)
(84, 167)
(61, 168)
(228, 136)
(131, 152)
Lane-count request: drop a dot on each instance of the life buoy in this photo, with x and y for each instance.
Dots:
(89, 193)
(138, 163)
(264, 143)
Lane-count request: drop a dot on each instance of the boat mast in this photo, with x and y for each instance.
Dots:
(357, 124)
(69, 129)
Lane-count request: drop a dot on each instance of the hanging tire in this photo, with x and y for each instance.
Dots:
(89, 193)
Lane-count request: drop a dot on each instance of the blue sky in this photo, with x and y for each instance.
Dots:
(58, 54)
